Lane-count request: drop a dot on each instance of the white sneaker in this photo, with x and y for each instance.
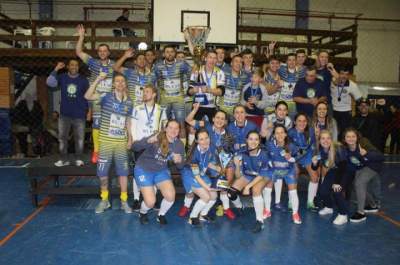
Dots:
(325, 211)
(79, 163)
(341, 219)
(61, 163)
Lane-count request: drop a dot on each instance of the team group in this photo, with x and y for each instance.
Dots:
(229, 130)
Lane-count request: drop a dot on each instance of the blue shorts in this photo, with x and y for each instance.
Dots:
(175, 111)
(110, 152)
(145, 178)
(197, 185)
(306, 159)
(187, 178)
(286, 174)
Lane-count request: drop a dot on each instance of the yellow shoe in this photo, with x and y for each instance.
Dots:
(219, 211)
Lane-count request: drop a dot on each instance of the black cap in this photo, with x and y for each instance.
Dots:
(363, 100)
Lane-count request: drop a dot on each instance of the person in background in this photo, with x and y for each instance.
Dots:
(324, 68)
(301, 57)
(308, 91)
(221, 64)
(343, 90)
(73, 109)
(150, 56)
(124, 17)
(273, 83)
(367, 124)
(248, 61)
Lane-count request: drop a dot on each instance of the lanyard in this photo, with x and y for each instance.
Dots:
(237, 83)
(203, 161)
(217, 138)
(254, 91)
(208, 78)
(339, 92)
(149, 117)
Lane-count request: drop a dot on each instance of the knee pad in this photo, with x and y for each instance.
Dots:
(233, 194)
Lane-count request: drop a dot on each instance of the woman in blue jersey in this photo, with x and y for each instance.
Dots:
(205, 167)
(151, 169)
(279, 117)
(255, 175)
(282, 154)
(330, 162)
(303, 137)
(220, 140)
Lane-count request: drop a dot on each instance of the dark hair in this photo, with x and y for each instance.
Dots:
(210, 51)
(169, 46)
(150, 50)
(201, 130)
(347, 130)
(322, 51)
(307, 129)
(281, 102)
(287, 141)
(290, 54)
(311, 68)
(220, 48)
(238, 106)
(300, 51)
(257, 133)
(104, 45)
(246, 51)
(236, 56)
(273, 58)
(140, 53)
(194, 144)
(221, 111)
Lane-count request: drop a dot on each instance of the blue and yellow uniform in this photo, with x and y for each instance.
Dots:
(233, 90)
(136, 82)
(305, 145)
(271, 100)
(170, 81)
(255, 165)
(105, 86)
(280, 168)
(289, 81)
(113, 134)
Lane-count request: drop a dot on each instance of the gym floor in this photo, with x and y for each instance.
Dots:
(65, 230)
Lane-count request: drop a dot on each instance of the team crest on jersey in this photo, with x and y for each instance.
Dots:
(71, 89)
(354, 160)
(310, 92)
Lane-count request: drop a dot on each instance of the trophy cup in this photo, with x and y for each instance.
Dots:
(196, 37)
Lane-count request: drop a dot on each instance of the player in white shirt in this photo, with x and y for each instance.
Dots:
(147, 119)
(343, 90)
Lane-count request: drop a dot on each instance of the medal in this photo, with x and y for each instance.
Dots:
(149, 122)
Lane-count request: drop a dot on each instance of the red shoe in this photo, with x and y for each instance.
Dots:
(266, 214)
(183, 211)
(95, 157)
(230, 214)
(296, 218)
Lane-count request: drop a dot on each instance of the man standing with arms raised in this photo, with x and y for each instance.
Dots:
(96, 66)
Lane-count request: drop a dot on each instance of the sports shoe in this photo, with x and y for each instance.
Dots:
(102, 206)
(194, 222)
(136, 205)
(371, 209)
(341, 219)
(325, 211)
(207, 218)
(162, 220)
(95, 157)
(296, 218)
(266, 214)
(279, 207)
(358, 217)
(125, 207)
(183, 211)
(79, 163)
(61, 163)
(220, 211)
(143, 218)
(259, 226)
(311, 206)
(230, 214)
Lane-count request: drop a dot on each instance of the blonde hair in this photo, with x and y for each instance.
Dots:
(332, 148)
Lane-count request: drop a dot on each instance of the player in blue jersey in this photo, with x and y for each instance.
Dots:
(220, 140)
(203, 160)
(303, 136)
(255, 175)
(151, 169)
(279, 117)
(282, 154)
